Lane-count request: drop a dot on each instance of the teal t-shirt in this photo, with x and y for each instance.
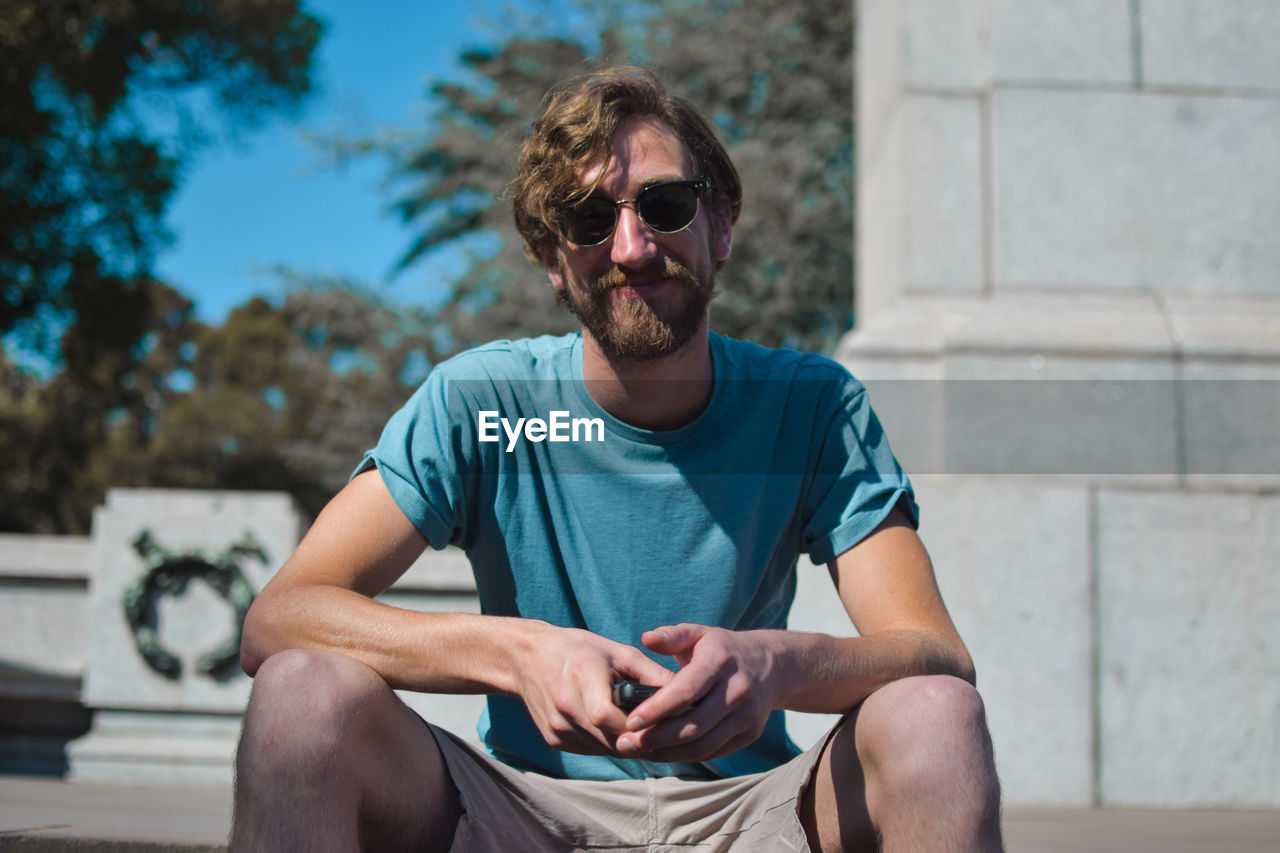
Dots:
(576, 518)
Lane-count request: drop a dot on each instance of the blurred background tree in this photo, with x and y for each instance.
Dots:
(104, 101)
(93, 134)
(288, 396)
(778, 81)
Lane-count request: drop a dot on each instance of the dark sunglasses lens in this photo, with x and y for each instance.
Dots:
(668, 207)
(590, 222)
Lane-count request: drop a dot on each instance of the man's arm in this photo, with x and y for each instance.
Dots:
(887, 585)
(322, 598)
(888, 588)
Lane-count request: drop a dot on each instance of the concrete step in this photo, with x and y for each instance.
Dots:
(30, 844)
(38, 815)
(47, 815)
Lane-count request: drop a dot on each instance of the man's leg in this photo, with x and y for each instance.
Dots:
(911, 769)
(331, 759)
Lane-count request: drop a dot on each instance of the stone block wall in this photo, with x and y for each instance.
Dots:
(44, 630)
(1148, 123)
(1068, 317)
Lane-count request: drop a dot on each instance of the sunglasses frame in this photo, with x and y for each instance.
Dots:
(699, 187)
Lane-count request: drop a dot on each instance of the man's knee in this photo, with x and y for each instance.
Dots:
(308, 704)
(919, 731)
(924, 704)
(324, 733)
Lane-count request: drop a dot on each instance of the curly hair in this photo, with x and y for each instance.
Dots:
(576, 129)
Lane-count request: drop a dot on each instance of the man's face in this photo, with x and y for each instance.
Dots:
(641, 294)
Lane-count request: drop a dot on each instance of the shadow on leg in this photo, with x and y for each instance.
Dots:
(833, 808)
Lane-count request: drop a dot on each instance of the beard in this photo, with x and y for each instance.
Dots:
(630, 329)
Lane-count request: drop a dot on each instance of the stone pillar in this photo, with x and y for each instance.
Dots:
(1087, 191)
(171, 573)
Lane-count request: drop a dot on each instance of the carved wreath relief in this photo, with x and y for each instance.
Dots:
(170, 573)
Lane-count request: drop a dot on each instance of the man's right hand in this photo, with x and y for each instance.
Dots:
(566, 681)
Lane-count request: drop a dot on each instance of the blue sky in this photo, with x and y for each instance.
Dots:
(261, 200)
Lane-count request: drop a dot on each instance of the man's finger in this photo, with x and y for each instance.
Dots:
(635, 665)
(677, 728)
(674, 640)
(686, 689)
(717, 739)
(605, 718)
(625, 664)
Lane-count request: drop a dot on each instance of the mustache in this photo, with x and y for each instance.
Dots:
(664, 268)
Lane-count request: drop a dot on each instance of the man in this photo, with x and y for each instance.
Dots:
(659, 548)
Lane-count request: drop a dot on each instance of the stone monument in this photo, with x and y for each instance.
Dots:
(172, 575)
(1068, 316)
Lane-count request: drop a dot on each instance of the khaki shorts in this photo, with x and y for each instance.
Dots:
(511, 810)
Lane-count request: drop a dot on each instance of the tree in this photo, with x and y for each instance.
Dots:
(94, 132)
(275, 398)
(286, 398)
(777, 80)
(92, 139)
(121, 355)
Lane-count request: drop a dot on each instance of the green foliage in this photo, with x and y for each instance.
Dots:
(283, 398)
(92, 135)
(776, 78)
(95, 125)
(452, 187)
(66, 439)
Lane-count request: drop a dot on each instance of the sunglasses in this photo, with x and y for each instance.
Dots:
(665, 208)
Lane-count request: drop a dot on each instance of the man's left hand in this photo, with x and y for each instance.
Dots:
(717, 703)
